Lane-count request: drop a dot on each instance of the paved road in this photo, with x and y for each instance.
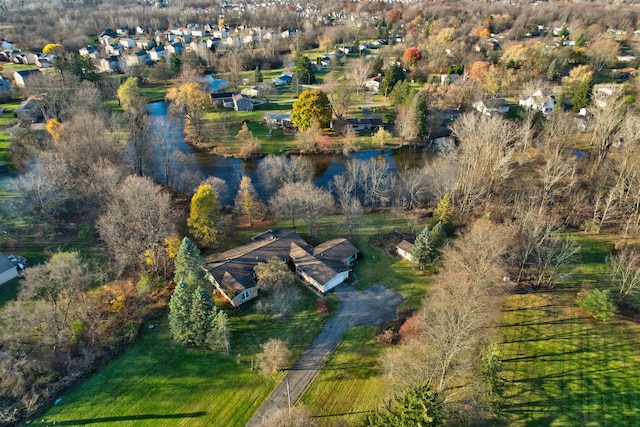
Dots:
(374, 306)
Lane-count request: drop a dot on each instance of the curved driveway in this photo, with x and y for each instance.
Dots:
(374, 306)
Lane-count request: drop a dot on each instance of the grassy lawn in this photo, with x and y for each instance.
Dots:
(160, 383)
(564, 368)
(350, 384)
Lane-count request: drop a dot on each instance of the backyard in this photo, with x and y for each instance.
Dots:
(564, 368)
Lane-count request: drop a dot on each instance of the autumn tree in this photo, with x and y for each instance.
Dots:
(274, 357)
(311, 105)
(276, 171)
(276, 280)
(602, 53)
(411, 56)
(193, 101)
(137, 220)
(577, 86)
(53, 49)
(203, 216)
(360, 72)
(302, 200)
(246, 202)
(131, 97)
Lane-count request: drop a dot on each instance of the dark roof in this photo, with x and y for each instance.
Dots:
(370, 121)
(5, 264)
(336, 249)
(219, 95)
(27, 73)
(233, 269)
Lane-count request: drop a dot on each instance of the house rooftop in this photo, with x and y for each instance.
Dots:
(5, 264)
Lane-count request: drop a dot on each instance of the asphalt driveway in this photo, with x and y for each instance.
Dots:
(374, 306)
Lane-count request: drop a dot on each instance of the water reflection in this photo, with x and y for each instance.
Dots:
(231, 170)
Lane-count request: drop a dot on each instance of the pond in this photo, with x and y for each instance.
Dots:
(231, 169)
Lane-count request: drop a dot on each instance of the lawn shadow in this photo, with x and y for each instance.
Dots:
(127, 418)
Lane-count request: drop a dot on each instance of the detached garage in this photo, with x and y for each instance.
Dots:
(8, 270)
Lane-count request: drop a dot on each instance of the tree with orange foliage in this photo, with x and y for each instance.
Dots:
(411, 56)
(479, 71)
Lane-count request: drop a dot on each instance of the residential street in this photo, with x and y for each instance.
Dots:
(374, 306)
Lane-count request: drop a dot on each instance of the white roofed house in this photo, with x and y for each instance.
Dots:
(491, 106)
(140, 57)
(539, 100)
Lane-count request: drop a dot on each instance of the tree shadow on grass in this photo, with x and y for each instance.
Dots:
(128, 418)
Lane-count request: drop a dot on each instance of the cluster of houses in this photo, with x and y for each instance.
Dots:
(322, 267)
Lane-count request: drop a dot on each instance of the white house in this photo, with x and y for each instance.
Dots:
(539, 101)
(127, 43)
(145, 44)
(8, 270)
(492, 106)
(449, 78)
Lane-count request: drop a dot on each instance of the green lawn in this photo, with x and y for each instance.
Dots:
(160, 383)
(564, 368)
(350, 383)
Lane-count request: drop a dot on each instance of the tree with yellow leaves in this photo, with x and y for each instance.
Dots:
(193, 101)
(204, 215)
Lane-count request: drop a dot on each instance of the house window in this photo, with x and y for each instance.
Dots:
(245, 295)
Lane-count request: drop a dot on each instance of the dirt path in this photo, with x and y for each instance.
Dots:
(374, 306)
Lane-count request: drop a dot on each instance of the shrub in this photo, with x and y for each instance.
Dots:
(598, 304)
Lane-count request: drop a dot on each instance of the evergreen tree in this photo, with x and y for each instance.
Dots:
(219, 336)
(582, 95)
(438, 235)
(419, 105)
(376, 65)
(418, 406)
(304, 70)
(190, 266)
(257, 75)
(444, 211)
(202, 310)
(394, 74)
(180, 314)
(423, 249)
(295, 84)
(203, 215)
(552, 71)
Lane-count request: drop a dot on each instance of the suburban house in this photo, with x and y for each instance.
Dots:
(107, 65)
(284, 79)
(236, 101)
(8, 270)
(242, 103)
(373, 84)
(323, 267)
(404, 249)
(540, 101)
(602, 94)
(492, 106)
(29, 110)
(176, 48)
(5, 84)
(449, 78)
(279, 119)
(157, 53)
(362, 124)
(90, 50)
(140, 57)
(21, 77)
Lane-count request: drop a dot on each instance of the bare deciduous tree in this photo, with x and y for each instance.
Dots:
(137, 220)
(302, 200)
(625, 274)
(276, 171)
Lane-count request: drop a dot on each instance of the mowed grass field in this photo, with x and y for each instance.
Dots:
(350, 383)
(158, 382)
(564, 368)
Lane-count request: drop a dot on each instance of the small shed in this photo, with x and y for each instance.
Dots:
(404, 249)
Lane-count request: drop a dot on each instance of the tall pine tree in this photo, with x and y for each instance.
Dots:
(190, 266)
(423, 248)
(180, 314)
